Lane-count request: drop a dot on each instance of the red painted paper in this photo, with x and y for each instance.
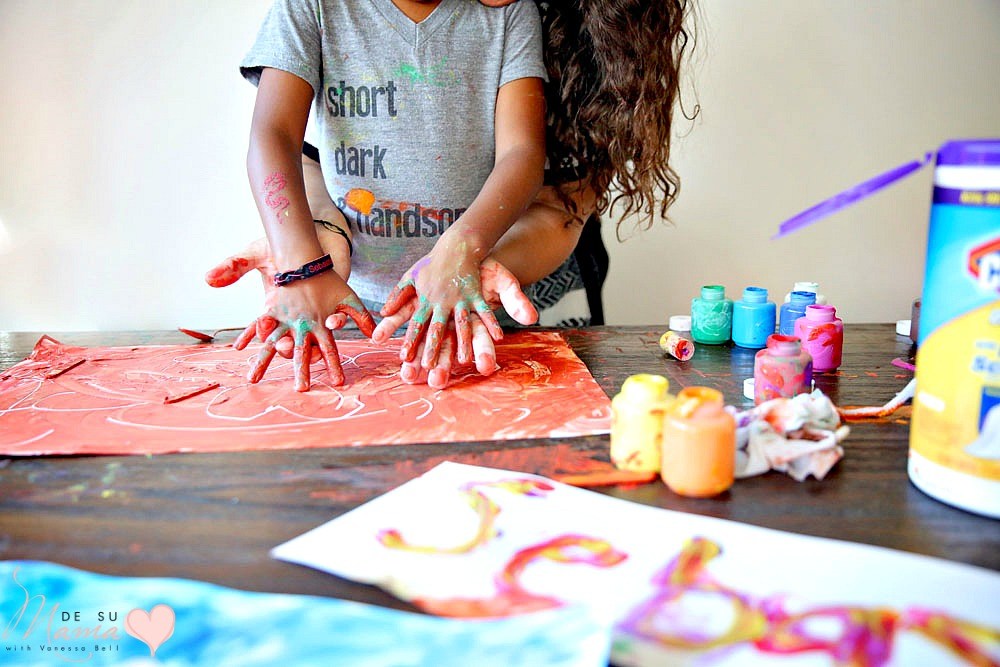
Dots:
(161, 399)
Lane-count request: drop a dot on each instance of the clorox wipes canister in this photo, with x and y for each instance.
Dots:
(955, 430)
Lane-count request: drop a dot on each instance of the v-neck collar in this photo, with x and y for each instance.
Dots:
(416, 33)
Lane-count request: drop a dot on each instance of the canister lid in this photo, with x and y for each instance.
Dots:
(680, 323)
(970, 152)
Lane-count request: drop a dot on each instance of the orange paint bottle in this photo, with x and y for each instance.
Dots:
(699, 444)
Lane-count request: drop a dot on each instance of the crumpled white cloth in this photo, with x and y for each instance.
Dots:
(799, 436)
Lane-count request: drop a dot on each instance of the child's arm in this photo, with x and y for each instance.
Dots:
(298, 309)
(546, 235)
(257, 255)
(330, 224)
(447, 280)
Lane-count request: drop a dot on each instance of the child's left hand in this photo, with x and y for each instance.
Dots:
(500, 288)
(446, 284)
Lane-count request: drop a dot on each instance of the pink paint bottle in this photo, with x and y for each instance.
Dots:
(822, 336)
(781, 370)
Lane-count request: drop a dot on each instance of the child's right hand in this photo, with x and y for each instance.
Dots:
(304, 311)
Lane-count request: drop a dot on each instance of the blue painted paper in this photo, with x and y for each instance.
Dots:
(67, 619)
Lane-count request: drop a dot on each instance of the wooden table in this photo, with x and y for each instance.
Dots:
(214, 517)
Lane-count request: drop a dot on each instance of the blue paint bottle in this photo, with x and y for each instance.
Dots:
(712, 316)
(793, 310)
(753, 319)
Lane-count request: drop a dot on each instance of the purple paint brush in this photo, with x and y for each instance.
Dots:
(849, 196)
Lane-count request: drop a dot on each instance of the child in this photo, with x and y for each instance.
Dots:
(434, 108)
(614, 79)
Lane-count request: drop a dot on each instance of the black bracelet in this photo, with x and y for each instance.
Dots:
(313, 268)
(337, 230)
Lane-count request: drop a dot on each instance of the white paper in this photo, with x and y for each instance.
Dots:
(444, 509)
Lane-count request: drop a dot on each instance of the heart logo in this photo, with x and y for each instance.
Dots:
(153, 628)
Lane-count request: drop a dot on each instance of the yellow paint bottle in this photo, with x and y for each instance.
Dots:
(699, 444)
(637, 422)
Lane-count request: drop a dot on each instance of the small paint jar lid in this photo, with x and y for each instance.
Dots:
(748, 388)
(679, 323)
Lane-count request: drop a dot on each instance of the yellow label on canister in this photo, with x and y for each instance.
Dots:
(956, 409)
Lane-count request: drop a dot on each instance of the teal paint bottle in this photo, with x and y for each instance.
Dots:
(754, 318)
(712, 316)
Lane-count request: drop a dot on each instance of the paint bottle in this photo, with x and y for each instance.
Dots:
(676, 346)
(793, 310)
(712, 316)
(680, 323)
(955, 430)
(806, 286)
(915, 321)
(822, 336)
(699, 444)
(637, 422)
(781, 370)
(753, 318)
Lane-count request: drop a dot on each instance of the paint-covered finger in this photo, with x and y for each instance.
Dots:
(246, 336)
(285, 347)
(301, 359)
(415, 331)
(514, 301)
(336, 321)
(400, 294)
(435, 333)
(439, 375)
(483, 348)
(227, 272)
(389, 325)
(489, 319)
(353, 308)
(331, 356)
(266, 354)
(463, 334)
(266, 326)
(411, 372)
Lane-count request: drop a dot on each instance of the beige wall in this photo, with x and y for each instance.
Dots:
(124, 128)
(801, 99)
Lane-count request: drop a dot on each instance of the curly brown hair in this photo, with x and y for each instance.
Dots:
(614, 78)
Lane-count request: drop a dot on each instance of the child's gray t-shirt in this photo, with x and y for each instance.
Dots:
(404, 111)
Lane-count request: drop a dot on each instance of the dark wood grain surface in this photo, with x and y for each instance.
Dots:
(214, 517)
